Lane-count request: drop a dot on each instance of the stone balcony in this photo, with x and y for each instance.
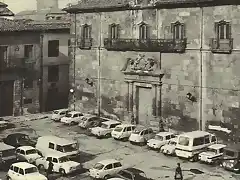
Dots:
(221, 45)
(85, 43)
(148, 45)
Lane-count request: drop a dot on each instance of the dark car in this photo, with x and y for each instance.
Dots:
(131, 174)
(90, 121)
(5, 125)
(19, 139)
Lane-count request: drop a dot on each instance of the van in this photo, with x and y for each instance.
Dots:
(52, 144)
(58, 114)
(191, 144)
(7, 155)
(123, 131)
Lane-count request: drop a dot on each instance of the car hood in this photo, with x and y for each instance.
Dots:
(154, 142)
(98, 129)
(70, 164)
(35, 176)
(208, 153)
(134, 136)
(32, 156)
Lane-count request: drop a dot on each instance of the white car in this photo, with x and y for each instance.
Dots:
(27, 153)
(105, 169)
(58, 114)
(160, 139)
(61, 164)
(123, 131)
(24, 171)
(72, 118)
(213, 153)
(141, 135)
(106, 129)
(169, 148)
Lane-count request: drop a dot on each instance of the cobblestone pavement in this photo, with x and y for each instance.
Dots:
(155, 165)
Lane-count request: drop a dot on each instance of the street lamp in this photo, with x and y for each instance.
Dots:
(72, 91)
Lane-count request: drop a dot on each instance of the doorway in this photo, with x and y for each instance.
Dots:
(6, 98)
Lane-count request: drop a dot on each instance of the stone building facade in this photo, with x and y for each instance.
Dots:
(34, 66)
(151, 60)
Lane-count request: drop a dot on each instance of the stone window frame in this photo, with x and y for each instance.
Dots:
(222, 29)
(144, 30)
(86, 31)
(4, 50)
(53, 48)
(178, 30)
(28, 50)
(114, 31)
(27, 101)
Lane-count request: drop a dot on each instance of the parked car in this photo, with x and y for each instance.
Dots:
(24, 170)
(90, 121)
(105, 169)
(27, 153)
(212, 154)
(105, 129)
(130, 174)
(58, 114)
(7, 155)
(19, 139)
(72, 118)
(160, 139)
(170, 147)
(53, 144)
(6, 124)
(231, 158)
(141, 135)
(123, 131)
(61, 164)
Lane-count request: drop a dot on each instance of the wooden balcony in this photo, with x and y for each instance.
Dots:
(84, 43)
(224, 46)
(148, 45)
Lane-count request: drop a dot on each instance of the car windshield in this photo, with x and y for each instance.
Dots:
(31, 170)
(229, 153)
(31, 151)
(183, 141)
(70, 147)
(55, 112)
(158, 137)
(118, 129)
(63, 159)
(173, 143)
(24, 137)
(136, 131)
(68, 115)
(98, 166)
(212, 150)
(105, 126)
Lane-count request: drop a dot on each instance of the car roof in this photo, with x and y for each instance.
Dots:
(25, 148)
(17, 134)
(61, 110)
(195, 134)
(23, 165)
(74, 112)
(133, 170)
(4, 147)
(108, 161)
(58, 140)
(55, 155)
(125, 125)
(217, 146)
(111, 122)
(141, 128)
(165, 133)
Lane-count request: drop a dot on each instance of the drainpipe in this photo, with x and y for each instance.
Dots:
(41, 75)
(74, 60)
(201, 70)
(99, 66)
(21, 94)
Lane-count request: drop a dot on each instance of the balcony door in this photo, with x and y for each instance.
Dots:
(6, 98)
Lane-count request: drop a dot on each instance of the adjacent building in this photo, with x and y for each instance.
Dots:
(151, 61)
(34, 66)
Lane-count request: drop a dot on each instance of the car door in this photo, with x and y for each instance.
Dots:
(15, 174)
(21, 174)
(129, 131)
(108, 170)
(46, 162)
(22, 155)
(11, 172)
(117, 167)
(55, 165)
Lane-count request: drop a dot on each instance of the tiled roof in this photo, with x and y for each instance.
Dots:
(7, 25)
(5, 12)
(3, 4)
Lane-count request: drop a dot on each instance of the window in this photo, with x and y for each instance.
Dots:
(4, 55)
(11, 168)
(53, 48)
(59, 148)
(86, 31)
(117, 165)
(51, 145)
(223, 30)
(198, 141)
(16, 169)
(178, 30)
(28, 51)
(114, 31)
(183, 141)
(55, 160)
(214, 139)
(49, 159)
(75, 115)
(221, 150)
(129, 128)
(229, 153)
(27, 101)
(22, 152)
(53, 73)
(28, 83)
(110, 166)
(21, 171)
(62, 113)
(207, 140)
(168, 137)
(113, 125)
(143, 31)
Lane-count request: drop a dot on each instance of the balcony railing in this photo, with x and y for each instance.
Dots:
(149, 45)
(221, 45)
(84, 43)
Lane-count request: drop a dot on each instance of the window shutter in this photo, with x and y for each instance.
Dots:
(216, 31)
(228, 31)
(110, 31)
(148, 31)
(183, 31)
(90, 31)
(173, 30)
(82, 32)
(118, 31)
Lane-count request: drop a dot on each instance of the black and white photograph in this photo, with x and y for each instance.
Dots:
(119, 90)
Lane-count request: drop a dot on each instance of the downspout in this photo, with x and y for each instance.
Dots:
(201, 70)
(99, 67)
(74, 60)
(41, 75)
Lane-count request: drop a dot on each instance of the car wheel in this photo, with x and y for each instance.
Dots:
(195, 158)
(72, 123)
(108, 135)
(8, 178)
(125, 139)
(41, 167)
(106, 177)
(62, 172)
